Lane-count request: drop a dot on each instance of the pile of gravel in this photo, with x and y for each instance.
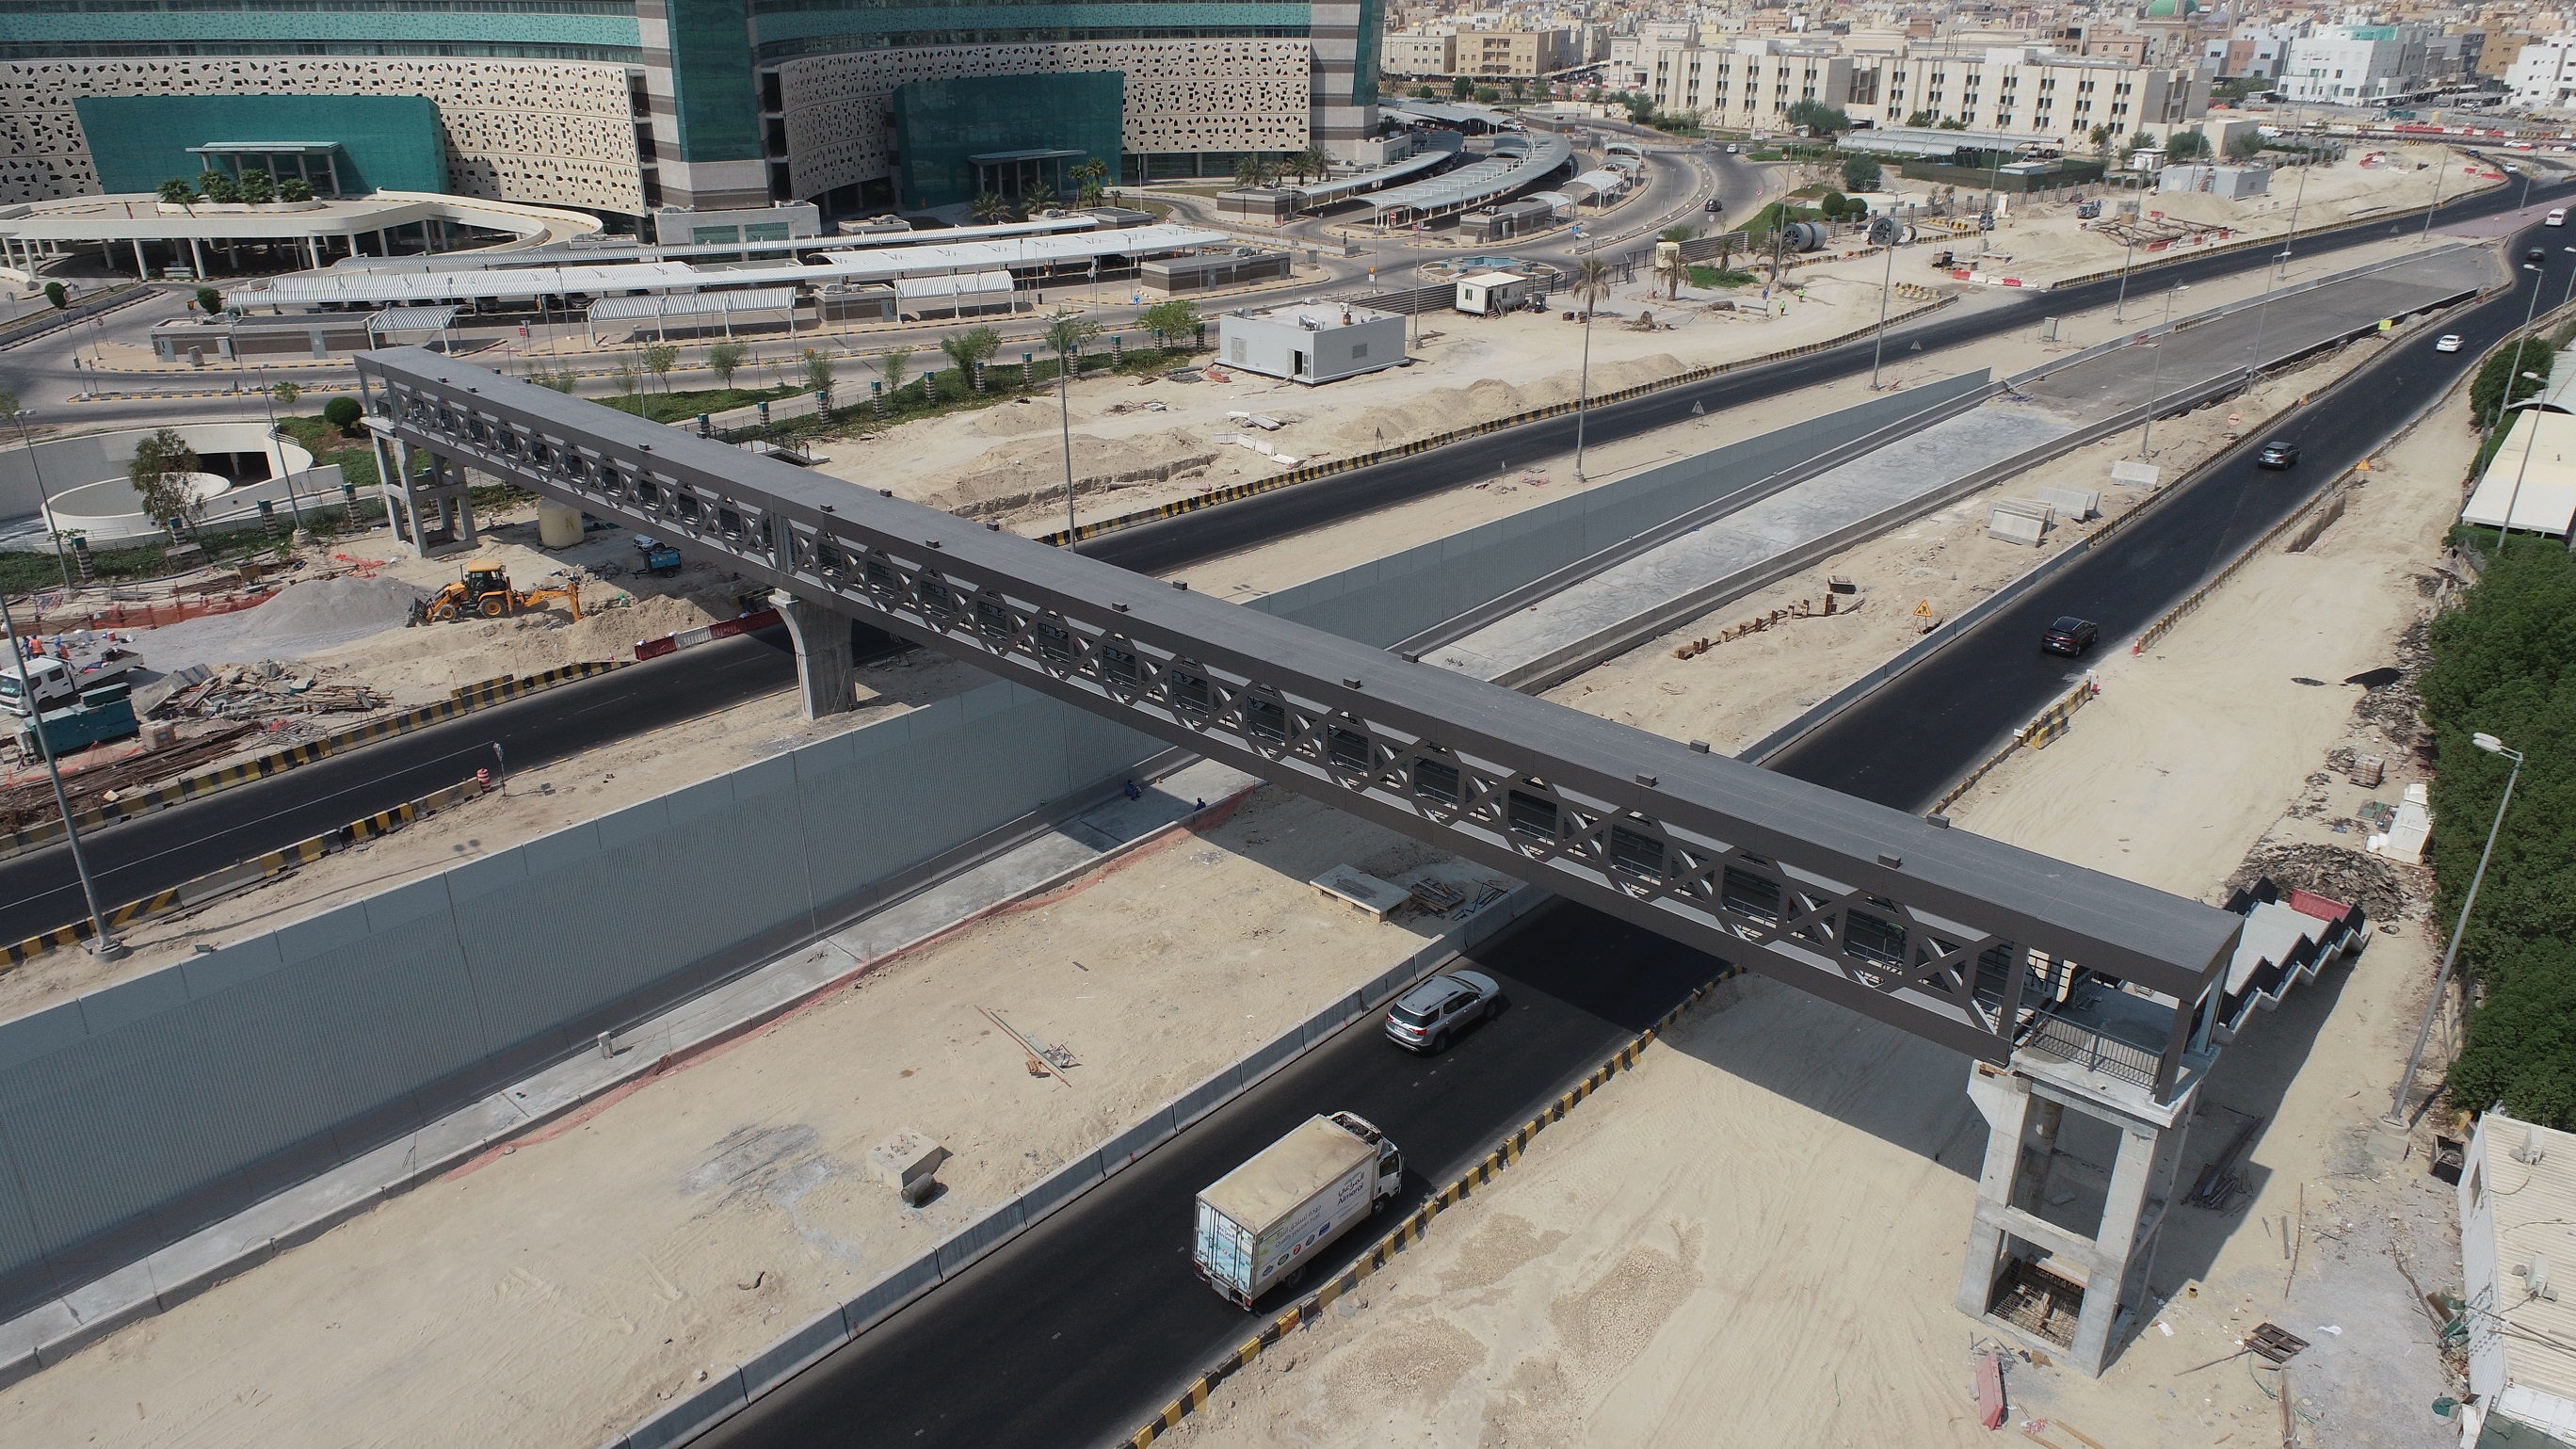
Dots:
(304, 618)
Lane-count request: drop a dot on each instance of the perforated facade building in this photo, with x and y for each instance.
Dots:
(626, 106)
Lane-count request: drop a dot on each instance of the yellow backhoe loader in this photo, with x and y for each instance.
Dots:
(484, 592)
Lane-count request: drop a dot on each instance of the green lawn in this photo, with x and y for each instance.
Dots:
(682, 404)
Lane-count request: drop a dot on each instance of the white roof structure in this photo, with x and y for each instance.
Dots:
(1932, 141)
(691, 304)
(1439, 146)
(411, 319)
(598, 255)
(937, 291)
(2517, 1206)
(2533, 473)
(1517, 162)
(315, 289)
(1593, 185)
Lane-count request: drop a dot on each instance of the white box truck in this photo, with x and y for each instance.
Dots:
(1261, 1223)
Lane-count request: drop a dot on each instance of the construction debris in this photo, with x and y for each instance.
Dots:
(2336, 872)
(1802, 609)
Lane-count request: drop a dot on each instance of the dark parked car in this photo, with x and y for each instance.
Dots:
(2070, 635)
(2537, 256)
(2277, 454)
(1441, 1007)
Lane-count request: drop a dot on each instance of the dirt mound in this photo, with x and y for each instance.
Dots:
(1014, 475)
(423, 664)
(1446, 408)
(304, 618)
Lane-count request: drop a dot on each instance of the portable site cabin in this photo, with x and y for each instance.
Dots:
(1311, 342)
(1491, 293)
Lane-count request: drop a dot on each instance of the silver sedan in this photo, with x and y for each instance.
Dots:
(1425, 1018)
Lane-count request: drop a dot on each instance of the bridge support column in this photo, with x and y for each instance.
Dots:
(430, 508)
(2080, 1171)
(825, 671)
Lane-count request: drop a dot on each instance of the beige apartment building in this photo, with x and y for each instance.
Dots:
(1488, 54)
(1410, 53)
(2028, 90)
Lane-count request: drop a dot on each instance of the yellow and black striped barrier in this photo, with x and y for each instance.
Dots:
(2043, 730)
(245, 873)
(1312, 471)
(465, 700)
(1412, 1230)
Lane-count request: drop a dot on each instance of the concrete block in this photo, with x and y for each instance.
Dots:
(794, 1352)
(908, 1162)
(2077, 504)
(1362, 891)
(99, 1308)
(2015, 528)
(2027, 508)
(20, 1337)
(2133, 474)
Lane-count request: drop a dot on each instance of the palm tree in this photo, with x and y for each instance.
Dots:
(989, 207)
(1677, 234)
(1093, 177)
(175, 192)
(969, 348)
(1037, 198)
(1310, 162)
(1591, 284)
(1253, 169)
(1065, 334)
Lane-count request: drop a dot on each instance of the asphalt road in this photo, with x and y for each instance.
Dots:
(1071, 1334)
(39, 891)
(1080, 1329)
(1193, 538)
(1957, 706)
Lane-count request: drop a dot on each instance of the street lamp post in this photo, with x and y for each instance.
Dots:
(1885, 290)
(2287, 242)
(102, 945)
(2530, 309)
(44, 501)
(2434, 204)
(2156, 374)
(2514, 497)
(2442, 978)
(2129, 256)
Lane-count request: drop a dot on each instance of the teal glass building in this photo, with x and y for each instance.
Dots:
(627, 106)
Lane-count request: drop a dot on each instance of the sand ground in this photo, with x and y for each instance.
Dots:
(1275, 566)
(1761, 1228)
(554, 1292)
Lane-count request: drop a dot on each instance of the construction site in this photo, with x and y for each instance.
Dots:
(652, 943)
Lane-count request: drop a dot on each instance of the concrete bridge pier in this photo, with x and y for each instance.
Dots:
(826, 673)
(2080, 1171)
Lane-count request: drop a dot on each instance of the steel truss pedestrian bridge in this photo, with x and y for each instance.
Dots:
(1959, 939)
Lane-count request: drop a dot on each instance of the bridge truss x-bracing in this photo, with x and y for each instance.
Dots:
(1956, 938)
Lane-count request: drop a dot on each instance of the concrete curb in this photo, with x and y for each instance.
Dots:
(801, 1347)
(277, 762)
(1414, 1228)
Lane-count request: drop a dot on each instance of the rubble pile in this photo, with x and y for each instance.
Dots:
(2376, 884)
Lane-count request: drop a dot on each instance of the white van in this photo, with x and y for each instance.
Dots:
(2555, 218)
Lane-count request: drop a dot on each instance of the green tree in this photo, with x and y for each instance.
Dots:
(160, 473)
(1953, 123)
(343, 413)
(1424, 93)
(1037, 198)
(1171, 320)
(1488, 95)
(286, 393)
(57, 295)
(1920, 119)
(894, 365)
(817, 372)
(1861, 173)
(258, 188)
(630, 383)
(989, 207)
(1641, 108)
(295, 188)
(2245, 147)
(219, 187)
(659, 359)
(1253, 169)
(175, 192)
(2100, 136)
(724, 360)
(1093, 177)
(1310, 162)
(2504, 663)
(1834, 204)
(1519, 87)
(1461, 88)
(2508, 362)
(2138, 141)
(209, 301)
(1819, 118)
(2186, 146)
(967, 348)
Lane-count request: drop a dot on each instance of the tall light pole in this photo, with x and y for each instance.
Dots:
(1593, 282)
(1886, 289)
(2433, 205)
(2131, 255)
(44, 501)
(102, 945)
(2306, 163)
(2442, 978)
(2156, 374)
(2530, 310)
(2514, 497)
